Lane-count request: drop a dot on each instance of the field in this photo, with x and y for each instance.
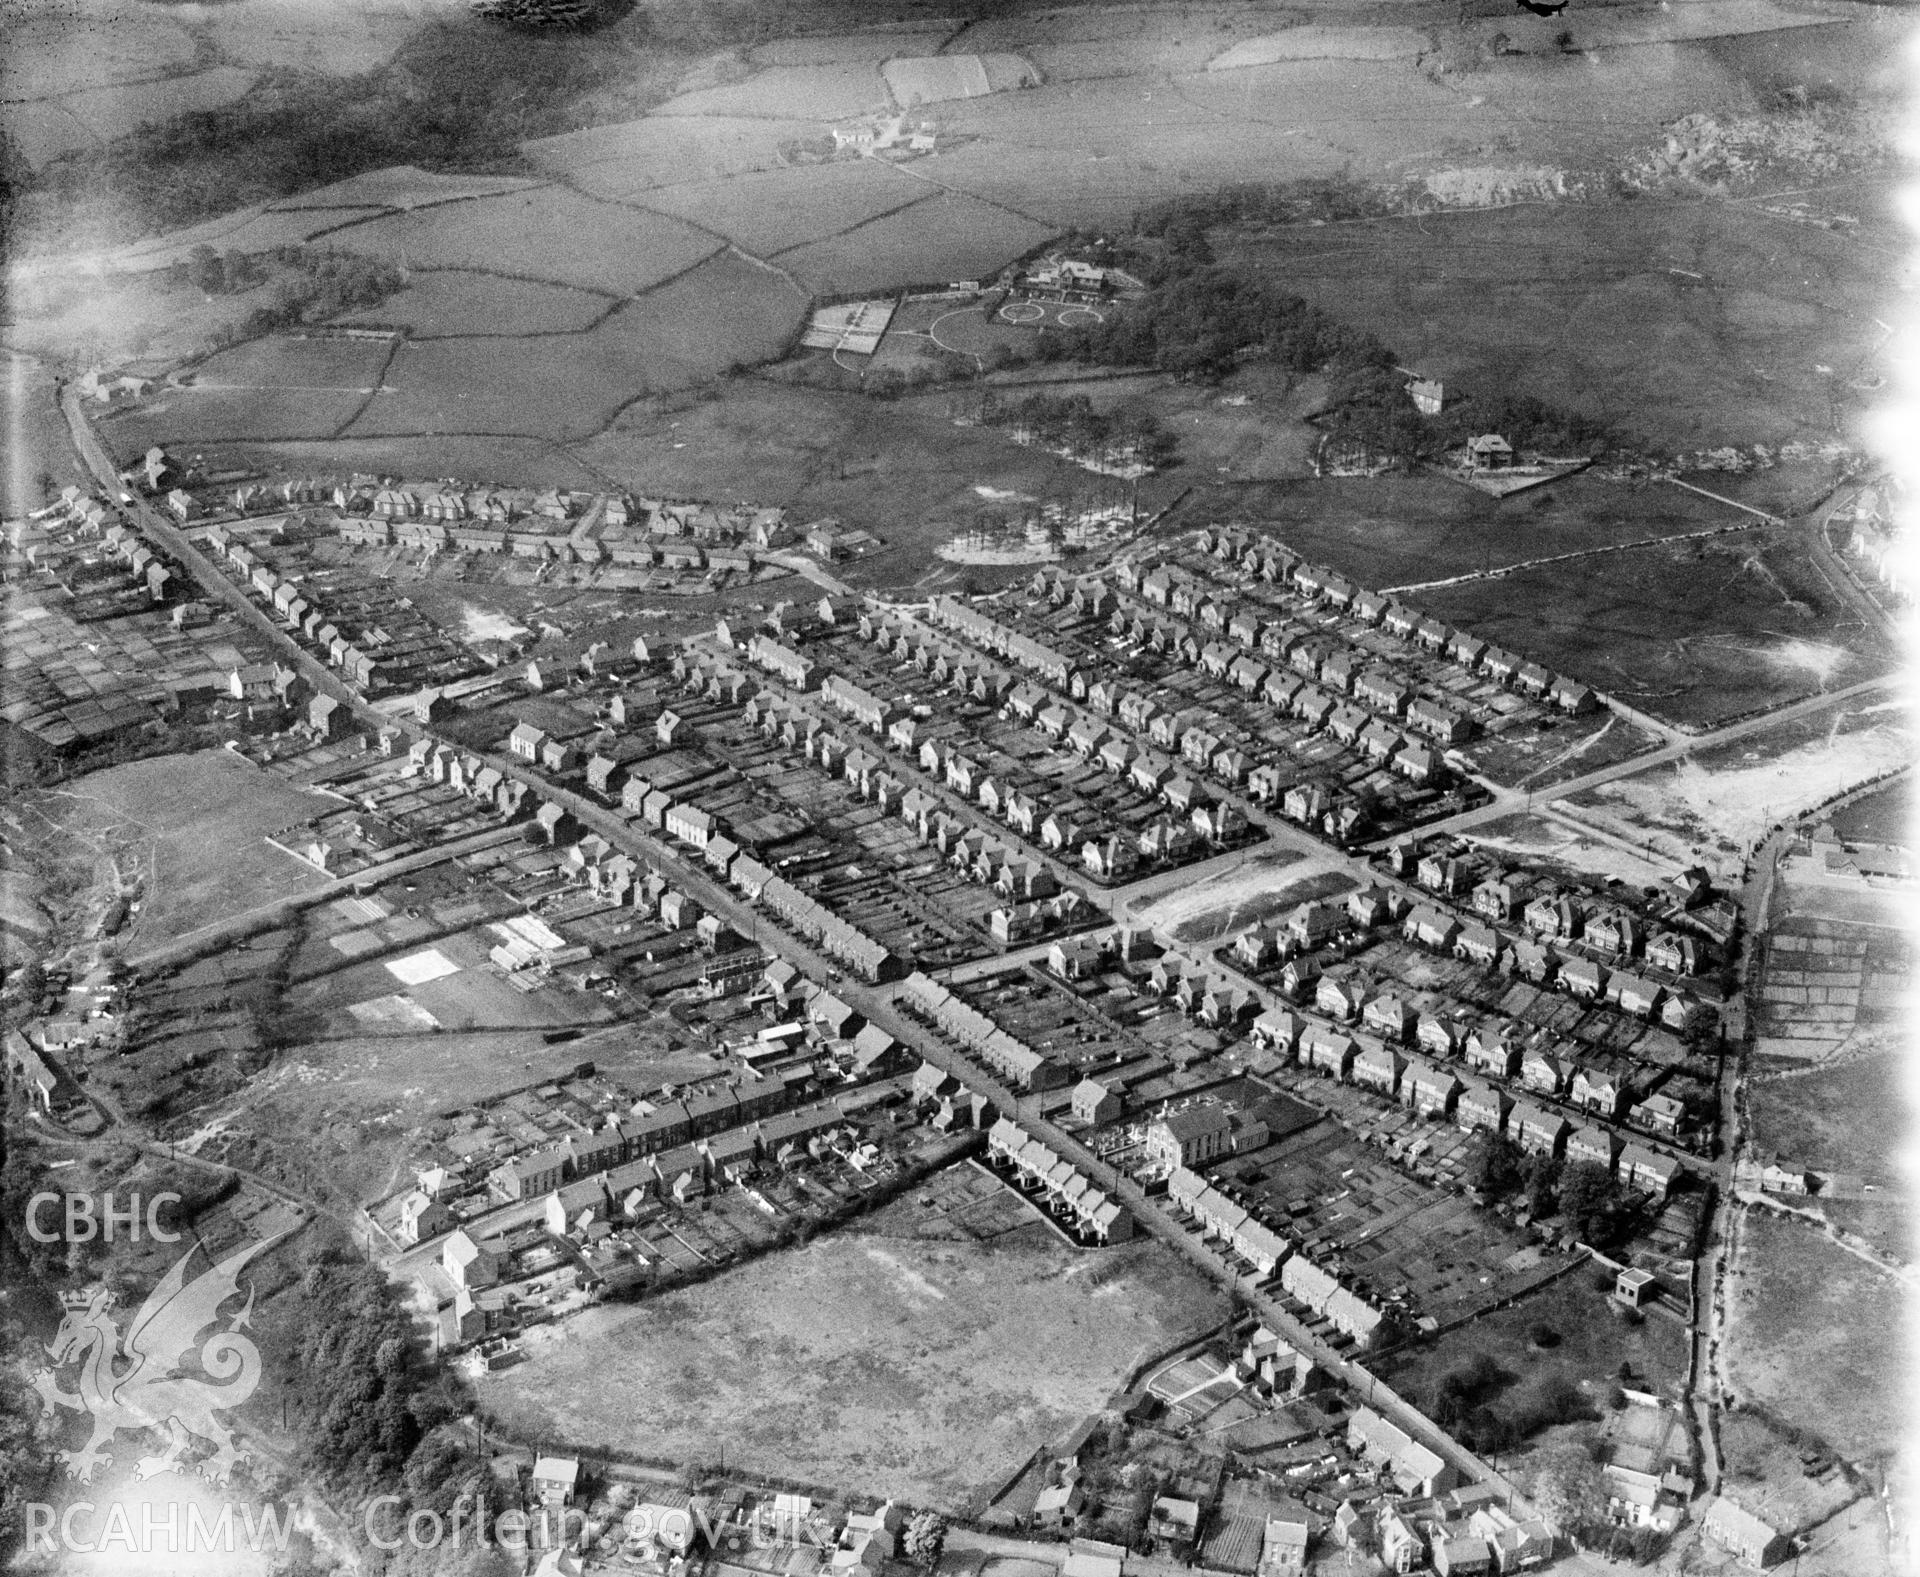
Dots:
(1408, 531)
(636, 156)
(200, 822)
(571, 385)
(456, 303)
(768, 212)
(1686, 324)
(898, 468)
(1808, 1334)
(820, 91)
(1851, 1117)
(1694, 632)
(945, 237)
(608, 247)
(1882, 815)
(922, 1371)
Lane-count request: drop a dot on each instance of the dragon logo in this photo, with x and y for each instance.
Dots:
(138, 1383)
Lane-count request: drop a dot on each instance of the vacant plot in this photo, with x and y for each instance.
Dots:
(924, 1371)
(1687, 324)
(203, 819)
(1722, 808)
(1695, 632)
(769, 211)
(944, 238)
(1810, 1335)
(451, 303)
(607, 248)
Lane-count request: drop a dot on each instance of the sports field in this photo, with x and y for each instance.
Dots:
(924, 1371)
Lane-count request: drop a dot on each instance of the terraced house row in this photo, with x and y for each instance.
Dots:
(1094, 1212)
(1221, 1216)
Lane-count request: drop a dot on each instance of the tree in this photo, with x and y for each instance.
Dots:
(1568, 1488)
(206, 272)
(926, 1537)
(1497, 1169)
(1589, 1200)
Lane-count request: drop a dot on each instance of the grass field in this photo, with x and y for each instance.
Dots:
(1809, 1334)
(1851, 1118)
(1686, 324)
(459, 302)
(202, 819)
(1693, 632)
(569, 386)
(1882, 815)
(942, 238)
(180, 417)
(820, 91)
(770, 211)
(921, 1371)
(636, 156)
(1402, 531)
(608, 247)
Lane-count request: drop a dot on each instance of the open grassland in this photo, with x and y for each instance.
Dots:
(182, 417)
(570, 386)
(292, 362)
(1407, 531)
(767, 211)
(1685, 323)
(924, 1371)
(945, 237)
(1812, 1334)
(453, 303)
(545, 233)
(900, 469)
(631, 157)
(1693, 632)
(1850, 1118)
(202, 820)
(818, 91)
